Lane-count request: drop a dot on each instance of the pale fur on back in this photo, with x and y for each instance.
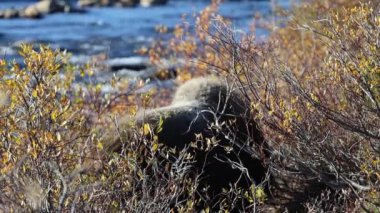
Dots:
(209, 93)
(197, 90)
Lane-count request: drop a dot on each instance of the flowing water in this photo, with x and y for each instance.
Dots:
(115, 31)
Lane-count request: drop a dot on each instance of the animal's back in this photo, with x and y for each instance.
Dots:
(197, 89)
(212, 92)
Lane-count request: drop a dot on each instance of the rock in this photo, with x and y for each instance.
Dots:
(121, 3)
(148, 3)
(86, 3)
(97, 3)
(45, 7)
(9, 13)
(39, 9)
(127, 3)
(131, 63)
(31, 12)
(48, 6)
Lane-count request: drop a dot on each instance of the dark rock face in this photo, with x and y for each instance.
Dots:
(208, 107)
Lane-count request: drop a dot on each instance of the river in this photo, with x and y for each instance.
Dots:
(115, 31)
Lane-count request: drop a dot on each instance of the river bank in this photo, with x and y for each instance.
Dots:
(109, 34)
(115, 31)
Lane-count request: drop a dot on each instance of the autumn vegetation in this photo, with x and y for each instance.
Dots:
(313, 85)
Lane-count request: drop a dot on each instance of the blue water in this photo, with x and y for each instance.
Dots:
(117, 31)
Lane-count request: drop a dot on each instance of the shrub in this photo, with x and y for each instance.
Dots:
(330, 107)
(54, 154)
(43, 130)
(315, 87)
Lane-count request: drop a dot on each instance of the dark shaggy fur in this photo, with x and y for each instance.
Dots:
(211, 108)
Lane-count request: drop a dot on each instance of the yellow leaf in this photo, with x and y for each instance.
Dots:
(260, 194)
(155, 147)
(54, 115)
(160, 124)
(99, 145)
(115, 203)
(34, 93)
(82, 73)
(34, 154)
(146, 129)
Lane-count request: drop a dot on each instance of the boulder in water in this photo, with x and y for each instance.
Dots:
(37, 10)
(148, 3)
(97, 3)
(9, 13)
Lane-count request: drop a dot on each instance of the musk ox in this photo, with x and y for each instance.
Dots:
(210, 111)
